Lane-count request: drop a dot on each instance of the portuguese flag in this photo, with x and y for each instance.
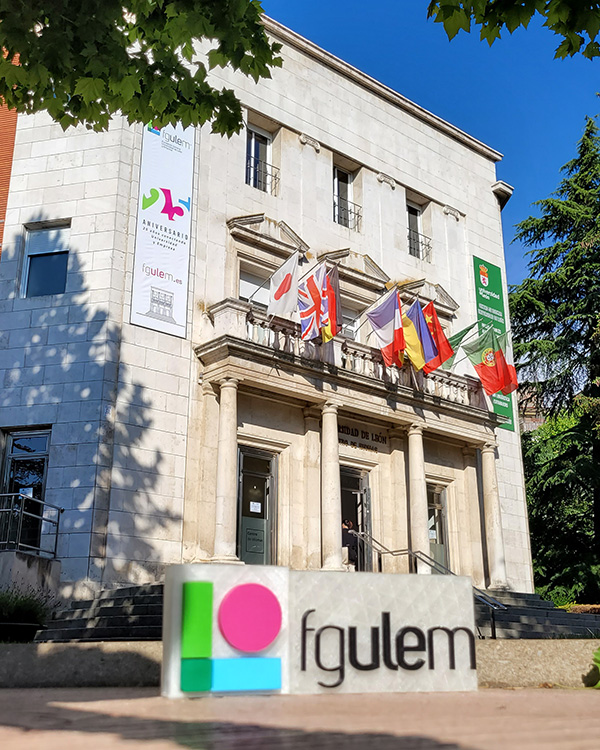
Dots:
(490, 364)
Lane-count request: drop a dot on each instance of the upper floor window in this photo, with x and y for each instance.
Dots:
(46, 260)
(260, 173)
(345, 212)
(419, 246)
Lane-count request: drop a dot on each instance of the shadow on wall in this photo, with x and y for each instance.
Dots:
(61, 368)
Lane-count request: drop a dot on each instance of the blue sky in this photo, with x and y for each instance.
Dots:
(513, 96)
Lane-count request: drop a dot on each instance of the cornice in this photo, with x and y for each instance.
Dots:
(379, 89)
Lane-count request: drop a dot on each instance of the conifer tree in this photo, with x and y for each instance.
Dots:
(556, 311)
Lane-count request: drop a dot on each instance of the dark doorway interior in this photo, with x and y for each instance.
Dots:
(356, 508)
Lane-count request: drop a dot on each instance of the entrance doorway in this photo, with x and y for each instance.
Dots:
(356, 508)
(436, 524)
(256, 507)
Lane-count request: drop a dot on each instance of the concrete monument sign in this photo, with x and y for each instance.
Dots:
(230, 628)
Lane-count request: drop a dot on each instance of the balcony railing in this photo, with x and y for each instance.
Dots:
(346, 213)
(261, 175)
(283, 337)
(419, 246)
(28, 524)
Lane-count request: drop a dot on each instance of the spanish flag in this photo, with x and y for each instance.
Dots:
(420, 345)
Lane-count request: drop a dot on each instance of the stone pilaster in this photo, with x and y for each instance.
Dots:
(493, 518)
(471, 499)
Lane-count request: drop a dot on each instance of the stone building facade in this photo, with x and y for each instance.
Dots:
(240, 441)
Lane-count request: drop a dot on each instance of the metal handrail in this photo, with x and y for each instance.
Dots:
(17, 511)
(417, 555)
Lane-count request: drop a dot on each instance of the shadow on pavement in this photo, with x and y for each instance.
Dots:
(44, 716)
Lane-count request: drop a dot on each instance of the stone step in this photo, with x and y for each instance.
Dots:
(146, 633)
(516, 598)
(99, 610)
(116, 601)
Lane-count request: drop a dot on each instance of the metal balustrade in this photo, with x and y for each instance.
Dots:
(419, 245)
(28, 524)
(346, 213)
(261, 175)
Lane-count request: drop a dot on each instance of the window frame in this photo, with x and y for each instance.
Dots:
(336, 195)
(29, 252)
(251, 176)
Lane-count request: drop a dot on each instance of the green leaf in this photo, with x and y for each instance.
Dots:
(90, 89)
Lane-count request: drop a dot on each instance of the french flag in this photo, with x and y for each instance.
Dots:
(386, 322)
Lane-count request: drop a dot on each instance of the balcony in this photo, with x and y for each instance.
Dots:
(262, 176)
(347, 214)
(243, 331)
(419, 246)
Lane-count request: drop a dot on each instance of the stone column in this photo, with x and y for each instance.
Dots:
(493, 518)
(227, 475)
(312, 487)
(419, 537)
(331, 494)
(471, 500)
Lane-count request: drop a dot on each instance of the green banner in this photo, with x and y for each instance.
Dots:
(490, 309)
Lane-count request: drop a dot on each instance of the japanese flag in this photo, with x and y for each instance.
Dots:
(283, 292)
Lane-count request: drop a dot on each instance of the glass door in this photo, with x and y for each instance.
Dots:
(436, 525)
(256, 507)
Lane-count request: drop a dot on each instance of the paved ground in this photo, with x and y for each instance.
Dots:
(103, 719)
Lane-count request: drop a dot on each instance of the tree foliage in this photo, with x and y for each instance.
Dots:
(576, 22)
(84, 61)
(560, 476)
(556, 332)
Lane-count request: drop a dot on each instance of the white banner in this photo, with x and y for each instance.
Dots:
(162, 242)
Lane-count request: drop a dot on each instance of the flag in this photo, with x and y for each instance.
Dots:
(445, 351)
(386, 322)
(420, 345)
(455, 342)
(333, 324)
(510, 377)
(490, 364)
(311, 303)
(283, 290)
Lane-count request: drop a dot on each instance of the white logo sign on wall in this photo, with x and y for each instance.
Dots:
(162, 242)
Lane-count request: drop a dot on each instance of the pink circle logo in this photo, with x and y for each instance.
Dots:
(250, 617)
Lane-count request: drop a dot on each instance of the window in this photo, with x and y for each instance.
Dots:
(345, 212)
(46, 260)
(259, 172)
(419, 246)
(254, 288)
(23, 475)
(350, 323)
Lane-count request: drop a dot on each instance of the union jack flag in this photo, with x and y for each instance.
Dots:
(312, 303)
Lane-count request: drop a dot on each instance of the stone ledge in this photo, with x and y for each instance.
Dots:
(501, 663)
